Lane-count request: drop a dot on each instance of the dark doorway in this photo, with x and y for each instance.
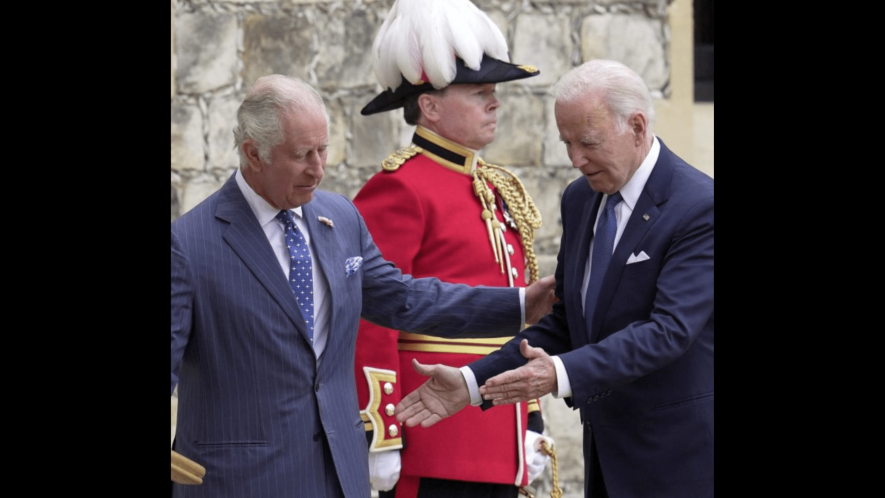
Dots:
(703, 50)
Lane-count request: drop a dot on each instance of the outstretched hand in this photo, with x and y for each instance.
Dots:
(443, 395)
(530, 381)
(539, 299)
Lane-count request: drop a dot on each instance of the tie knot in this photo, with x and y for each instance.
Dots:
(612, 201)
(285, 217)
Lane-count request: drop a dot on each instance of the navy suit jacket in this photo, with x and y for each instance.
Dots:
(254, 403)
(644, 380)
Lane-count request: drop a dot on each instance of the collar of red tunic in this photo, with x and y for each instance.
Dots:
(445, 152)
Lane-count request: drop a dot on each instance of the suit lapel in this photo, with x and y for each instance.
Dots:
(645, 214)
(247, 239)
(327, 253)
(588, 217)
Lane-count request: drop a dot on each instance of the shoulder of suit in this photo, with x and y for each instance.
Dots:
(396, 159)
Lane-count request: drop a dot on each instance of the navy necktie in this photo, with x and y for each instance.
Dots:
(603, 245)
(300, 268)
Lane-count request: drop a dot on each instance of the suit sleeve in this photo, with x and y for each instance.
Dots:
(182, 306)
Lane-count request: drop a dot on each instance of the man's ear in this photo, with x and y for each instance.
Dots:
(251, 152)
(429, 106)
(639, 125)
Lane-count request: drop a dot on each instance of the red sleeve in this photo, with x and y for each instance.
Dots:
(392, 211)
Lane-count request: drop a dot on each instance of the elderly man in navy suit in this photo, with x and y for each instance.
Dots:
(270, 277)
(632, 349)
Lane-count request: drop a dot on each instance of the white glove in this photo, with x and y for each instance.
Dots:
(535, 459)
(384, 468)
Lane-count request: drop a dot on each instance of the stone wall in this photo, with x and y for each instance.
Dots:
(220, 47)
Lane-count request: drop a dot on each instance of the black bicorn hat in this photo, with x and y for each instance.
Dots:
(424, 45)
(491, 71)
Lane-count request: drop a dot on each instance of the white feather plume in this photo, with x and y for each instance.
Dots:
(425, 36)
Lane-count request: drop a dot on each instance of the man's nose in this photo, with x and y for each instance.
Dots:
(576, 159)
(316, 165)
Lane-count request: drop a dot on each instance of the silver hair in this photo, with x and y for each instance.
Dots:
(623, 90)
(270, 99)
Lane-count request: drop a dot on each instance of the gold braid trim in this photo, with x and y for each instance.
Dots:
(556, 492)
(396, 159)
(519, 203)
(487, 198)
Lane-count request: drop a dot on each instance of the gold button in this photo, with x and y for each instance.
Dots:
(510, 250)
(514, 272)
(393, 430)
(388, 388)
(389, 409)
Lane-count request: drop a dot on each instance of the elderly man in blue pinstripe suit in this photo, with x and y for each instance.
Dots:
(267, 405)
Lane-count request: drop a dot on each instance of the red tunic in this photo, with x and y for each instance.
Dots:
(426, 219)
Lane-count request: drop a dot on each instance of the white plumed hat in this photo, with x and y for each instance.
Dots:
(430, 44)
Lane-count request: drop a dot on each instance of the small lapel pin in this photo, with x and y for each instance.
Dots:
(645, 217)
(327, 221)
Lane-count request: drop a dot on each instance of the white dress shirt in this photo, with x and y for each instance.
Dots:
(265, 213)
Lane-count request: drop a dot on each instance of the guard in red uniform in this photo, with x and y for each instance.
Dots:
(437, 209)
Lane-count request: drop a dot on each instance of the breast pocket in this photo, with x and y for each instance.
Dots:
(635, 294)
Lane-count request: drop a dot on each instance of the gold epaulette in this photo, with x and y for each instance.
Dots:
(396, 159)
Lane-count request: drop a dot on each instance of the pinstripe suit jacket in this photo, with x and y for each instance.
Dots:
(253, 400)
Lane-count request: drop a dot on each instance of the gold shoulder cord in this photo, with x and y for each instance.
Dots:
(528, 219)
(520, 205)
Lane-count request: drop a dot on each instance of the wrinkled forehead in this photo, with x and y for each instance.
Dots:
(585, 112)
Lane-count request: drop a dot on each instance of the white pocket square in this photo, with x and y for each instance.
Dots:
(637, 258)
(352, 265)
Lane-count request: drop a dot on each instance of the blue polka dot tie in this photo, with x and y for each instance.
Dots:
(603, 246)
(300, 268)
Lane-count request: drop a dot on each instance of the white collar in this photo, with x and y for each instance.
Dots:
(633, 188)
(262, 210)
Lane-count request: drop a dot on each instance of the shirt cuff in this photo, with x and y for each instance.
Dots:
(563, 386)
(522, 305)
(472, 388)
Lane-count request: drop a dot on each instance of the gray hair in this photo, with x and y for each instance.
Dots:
(270, 99)
(623, 90)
